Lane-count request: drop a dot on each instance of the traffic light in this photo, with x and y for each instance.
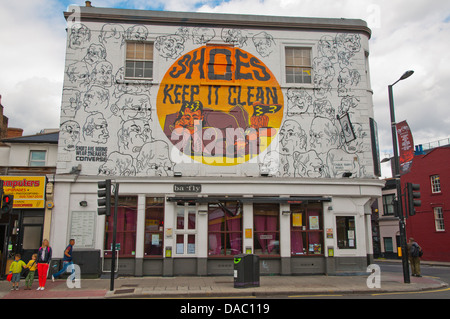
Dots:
(413, 197)
(104, 198)
(7, 203)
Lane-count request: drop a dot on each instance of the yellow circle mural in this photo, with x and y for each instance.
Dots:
(220, 105)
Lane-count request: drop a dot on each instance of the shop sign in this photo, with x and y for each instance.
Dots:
(187, 188)
(28, 191)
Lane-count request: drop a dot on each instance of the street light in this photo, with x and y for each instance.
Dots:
(406, 277)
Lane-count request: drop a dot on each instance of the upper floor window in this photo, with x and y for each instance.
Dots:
(435, 184)
(37, 158)
(139, 60)
(388, 204)
(298, 65)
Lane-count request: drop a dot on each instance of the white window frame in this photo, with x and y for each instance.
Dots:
(435, 184)
(297, 44)
(439, 219)
(31, 160)
(139, 60)
(185, 232)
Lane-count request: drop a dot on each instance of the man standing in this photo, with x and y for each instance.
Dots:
(414, 257)
(67, 260)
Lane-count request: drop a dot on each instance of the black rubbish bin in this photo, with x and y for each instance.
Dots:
(246, 271)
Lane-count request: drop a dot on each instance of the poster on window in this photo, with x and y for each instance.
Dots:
(405, 146)
(313, 222)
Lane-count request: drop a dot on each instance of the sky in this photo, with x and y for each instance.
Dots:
(406, 35)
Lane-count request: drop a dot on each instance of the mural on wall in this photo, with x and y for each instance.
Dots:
(215, 104)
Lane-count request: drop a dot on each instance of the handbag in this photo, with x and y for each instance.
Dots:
(9, 277)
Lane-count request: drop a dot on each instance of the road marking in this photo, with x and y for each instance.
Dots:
(411, 292)
(306, 296)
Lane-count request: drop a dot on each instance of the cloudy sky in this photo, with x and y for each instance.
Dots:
(406, 35)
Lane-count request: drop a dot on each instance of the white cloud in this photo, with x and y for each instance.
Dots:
(405, 35)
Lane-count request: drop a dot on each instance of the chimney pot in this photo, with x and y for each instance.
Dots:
(88, 4)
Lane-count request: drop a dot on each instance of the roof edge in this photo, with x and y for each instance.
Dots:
(220, 19)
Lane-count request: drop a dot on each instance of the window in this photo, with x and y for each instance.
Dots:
(186, 223)
(306, 230)
(154, 226)
(139, 60)
(435, 184)
(224, 229)
(126, 227)
(37, 158)
(266, 229)
(388, 204)
(388, 246)
(345, 232)
(298, 65)
(439, 219)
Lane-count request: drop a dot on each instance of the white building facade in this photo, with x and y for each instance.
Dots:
(228, 134)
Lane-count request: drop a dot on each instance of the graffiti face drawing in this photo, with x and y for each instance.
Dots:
(118, 164)
(96, 129)
(132, 106)
(78, 74)
(97, 98)
(102, 74)
(323, 135)
(71, 102)
(292, 137)
(154, 160)
(69, 135)
(133, 135)
(79, 37)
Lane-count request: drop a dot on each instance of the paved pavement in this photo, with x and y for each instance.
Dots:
(217, 286)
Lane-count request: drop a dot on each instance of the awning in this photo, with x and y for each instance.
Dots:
(255, 199)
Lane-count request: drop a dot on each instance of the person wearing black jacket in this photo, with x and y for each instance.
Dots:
(43, 262)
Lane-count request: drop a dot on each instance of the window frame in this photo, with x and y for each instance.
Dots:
(347, 229)
(30, 160)
(438, 214)
(386, 205)
(123, 202)
(256, 232)
(435, 182)
(225, 232)
(186, 233)
(126, 60)
(305, 229)
(301, 66)
(156, 203)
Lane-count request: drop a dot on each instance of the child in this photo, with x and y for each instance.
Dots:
(16, 269)
(32, 265)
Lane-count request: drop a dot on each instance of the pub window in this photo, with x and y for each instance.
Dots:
(126, 227)
(298, 65)
(266, 229)
(154, 226)
(139, 60)
(345, 232)
(306, 229)
(224, 229)
(186, 228)
(37, 158)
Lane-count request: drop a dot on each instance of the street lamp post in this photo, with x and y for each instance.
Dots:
(406, 277)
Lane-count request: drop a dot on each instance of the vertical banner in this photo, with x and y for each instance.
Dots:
(406, 147)
(375, 147)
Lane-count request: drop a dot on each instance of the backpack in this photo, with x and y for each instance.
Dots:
(415, 250)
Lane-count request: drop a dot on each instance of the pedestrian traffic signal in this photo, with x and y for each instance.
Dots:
(413, 197)
(7, 203)
(104, 198)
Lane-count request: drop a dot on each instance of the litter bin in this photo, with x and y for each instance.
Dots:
(246, 271)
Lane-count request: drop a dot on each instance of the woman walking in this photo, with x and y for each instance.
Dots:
(43, 260)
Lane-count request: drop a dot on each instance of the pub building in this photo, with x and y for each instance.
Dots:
(227, 134)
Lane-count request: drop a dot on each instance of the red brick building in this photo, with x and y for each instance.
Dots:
(430, 226)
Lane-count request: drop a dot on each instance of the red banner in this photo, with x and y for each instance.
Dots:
(406, 147)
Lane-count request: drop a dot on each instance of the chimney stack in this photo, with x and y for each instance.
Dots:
(88, 4)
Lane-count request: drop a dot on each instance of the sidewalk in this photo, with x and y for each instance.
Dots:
(218, 286)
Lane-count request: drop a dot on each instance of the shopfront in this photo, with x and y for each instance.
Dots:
(22, 230)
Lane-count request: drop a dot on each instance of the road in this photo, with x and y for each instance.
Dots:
(440, 272)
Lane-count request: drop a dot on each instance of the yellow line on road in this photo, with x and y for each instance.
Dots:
(307, 296)
(411, 292)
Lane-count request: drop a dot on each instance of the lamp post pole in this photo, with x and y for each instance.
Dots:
(406, 277)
